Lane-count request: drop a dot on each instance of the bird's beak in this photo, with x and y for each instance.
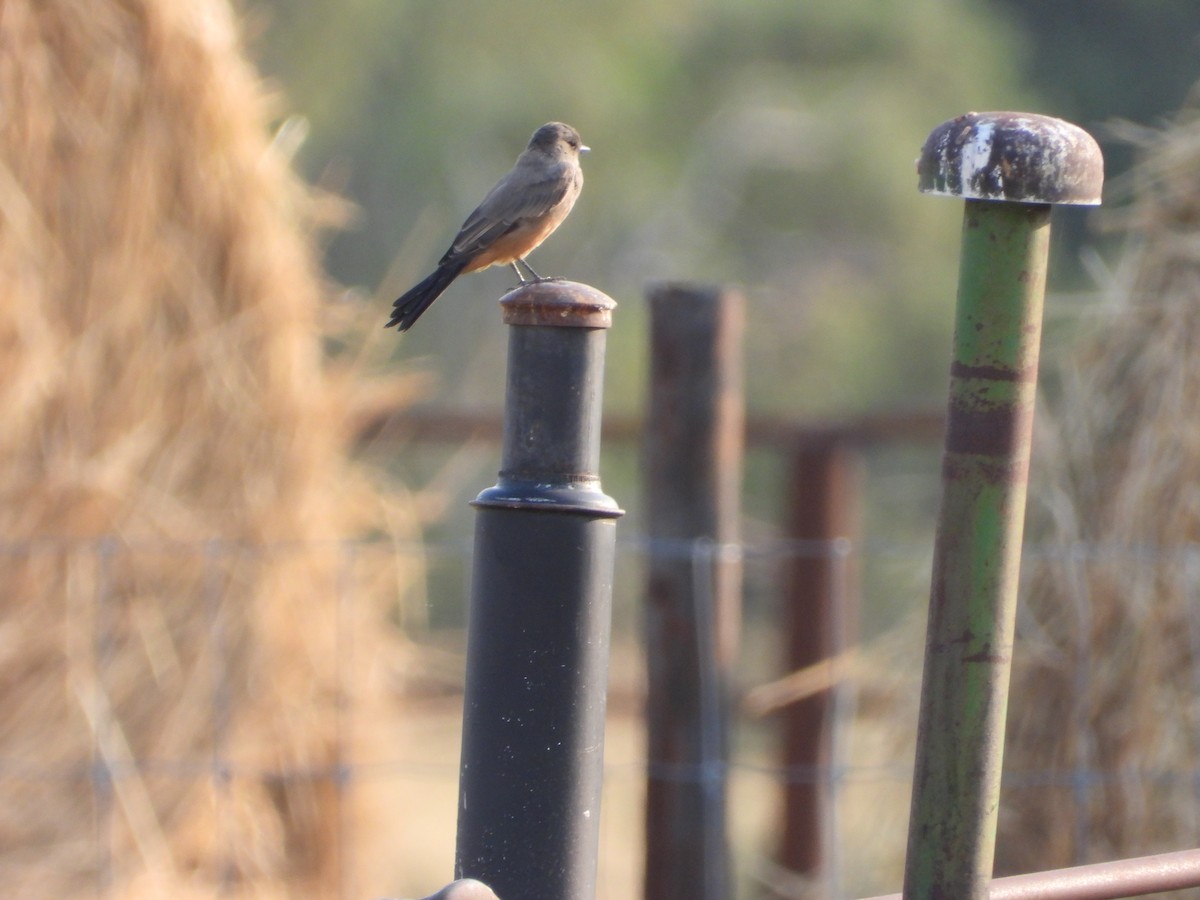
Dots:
(584, 148)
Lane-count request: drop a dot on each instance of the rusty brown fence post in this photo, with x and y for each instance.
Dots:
(692, 465)
(820, 617)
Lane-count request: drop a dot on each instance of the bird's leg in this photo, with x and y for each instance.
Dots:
(521, 275)
(528, 268)
(536, 279)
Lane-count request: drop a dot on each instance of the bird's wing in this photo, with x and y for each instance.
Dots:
(506, 205)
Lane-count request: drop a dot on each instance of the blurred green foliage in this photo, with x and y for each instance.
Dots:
(767, 144)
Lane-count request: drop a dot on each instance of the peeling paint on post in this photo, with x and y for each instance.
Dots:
(1009, 167)
(1012, 157)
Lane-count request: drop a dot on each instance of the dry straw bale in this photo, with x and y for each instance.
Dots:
(1108, 659)
(173, 471)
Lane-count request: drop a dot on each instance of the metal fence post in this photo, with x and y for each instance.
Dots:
(820, 618)
(1010, 168)
(539, 618)
(692, 467)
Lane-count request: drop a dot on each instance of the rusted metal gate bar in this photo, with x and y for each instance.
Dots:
(1134, 877)
(1010, 168)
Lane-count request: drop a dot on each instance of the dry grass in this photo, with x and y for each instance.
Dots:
(1109, 645)
(161, 386)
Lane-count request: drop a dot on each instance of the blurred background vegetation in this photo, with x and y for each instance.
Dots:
(768, 144)
(166, 398)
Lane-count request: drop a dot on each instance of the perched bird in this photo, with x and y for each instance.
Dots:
(520, 212)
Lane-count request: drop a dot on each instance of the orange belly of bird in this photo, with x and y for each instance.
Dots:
(517, 243)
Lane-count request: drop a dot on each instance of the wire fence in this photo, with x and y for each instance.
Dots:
(180, 714)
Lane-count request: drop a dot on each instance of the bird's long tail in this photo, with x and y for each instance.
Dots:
(409, 307)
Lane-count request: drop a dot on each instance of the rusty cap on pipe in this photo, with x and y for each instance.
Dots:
(1014, 157)
(558, 303)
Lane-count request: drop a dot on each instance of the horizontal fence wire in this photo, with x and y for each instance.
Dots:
(78, 737)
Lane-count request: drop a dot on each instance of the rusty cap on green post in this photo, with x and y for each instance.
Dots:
(1017, 157)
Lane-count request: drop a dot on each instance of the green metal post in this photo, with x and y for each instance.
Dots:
(1010, 168)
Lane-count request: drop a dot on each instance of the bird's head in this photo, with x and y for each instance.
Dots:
(555, 138)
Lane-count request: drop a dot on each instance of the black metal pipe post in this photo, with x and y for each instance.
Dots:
(538, 625)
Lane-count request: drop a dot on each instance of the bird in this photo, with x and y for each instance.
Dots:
(518, 213)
